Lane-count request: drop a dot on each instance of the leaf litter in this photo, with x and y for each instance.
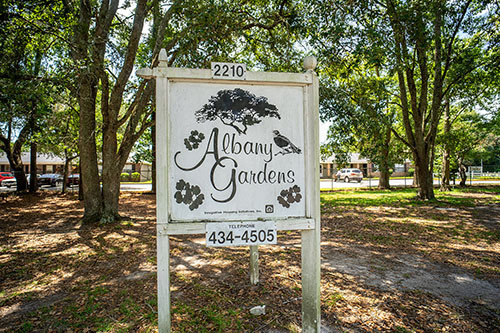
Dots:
(401, 269)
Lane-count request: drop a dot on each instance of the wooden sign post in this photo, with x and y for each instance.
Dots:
(237, 160)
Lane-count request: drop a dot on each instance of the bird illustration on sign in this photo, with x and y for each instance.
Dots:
(287, 147)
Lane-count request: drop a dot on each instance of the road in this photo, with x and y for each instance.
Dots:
(139, 187)
(329, 184)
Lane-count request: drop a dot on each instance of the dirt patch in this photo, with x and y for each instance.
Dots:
(411, 272)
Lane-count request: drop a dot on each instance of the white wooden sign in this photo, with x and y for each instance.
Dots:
(237, 154)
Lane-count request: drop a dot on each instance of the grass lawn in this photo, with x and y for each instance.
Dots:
(56, 275)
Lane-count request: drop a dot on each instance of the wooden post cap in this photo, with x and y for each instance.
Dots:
(310, 63)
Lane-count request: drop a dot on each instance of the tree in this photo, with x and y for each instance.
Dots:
(351, 103)
(60, 133)
(190, 31)
(464, 141)
(237, 108)
(426, 47)
(142, 151)
(27, 80)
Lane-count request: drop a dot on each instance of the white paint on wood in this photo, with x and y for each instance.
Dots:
(163, 250)
(145, 73)
(183, 228)
(254, 264)
(306, 218)
(311, 259)
(228, 162)
(176, 74)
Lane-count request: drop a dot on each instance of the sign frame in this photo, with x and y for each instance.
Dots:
(309, 225)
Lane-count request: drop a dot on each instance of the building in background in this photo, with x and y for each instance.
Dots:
(328, 167)
(48, 163)
(45, 163)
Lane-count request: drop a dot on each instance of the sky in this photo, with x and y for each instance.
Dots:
(323, 131)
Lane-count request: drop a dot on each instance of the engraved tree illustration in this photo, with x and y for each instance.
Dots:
(237, 108)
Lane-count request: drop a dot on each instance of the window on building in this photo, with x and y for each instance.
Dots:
(399, 168)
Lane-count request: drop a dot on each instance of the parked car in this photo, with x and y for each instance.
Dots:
(5, 175)
(52, 179)
(349, 174)
(28, 176)
(9, 182)
(73, 180)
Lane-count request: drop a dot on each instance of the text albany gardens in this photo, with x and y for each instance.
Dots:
(225, 155)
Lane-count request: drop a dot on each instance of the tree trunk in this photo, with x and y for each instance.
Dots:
(415, 176)
(462, 169)
(424, 176)
(14, 153)
(33, 181)
(114, 158)
(384, 178)
(22, 183)
(111, 193)
(16, 165)
(88, 57)
(65, 171)
(445, 177)
(80, 186)
(384, 162)
(419, 120)
(88, 153)
(110, 174)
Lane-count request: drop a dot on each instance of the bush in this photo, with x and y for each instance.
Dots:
(411, 172)
(135, 176)
(124, 177)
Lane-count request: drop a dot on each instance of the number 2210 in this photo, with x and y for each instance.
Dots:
(229, 70)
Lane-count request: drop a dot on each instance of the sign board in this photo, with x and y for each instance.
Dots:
(237, 152)
(237, 159)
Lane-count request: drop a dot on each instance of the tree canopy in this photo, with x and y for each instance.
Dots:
(425, 48)
(29, 77)
(388, 70)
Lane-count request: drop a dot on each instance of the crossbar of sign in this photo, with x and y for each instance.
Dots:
(241, 233)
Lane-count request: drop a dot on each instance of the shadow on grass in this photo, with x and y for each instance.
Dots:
(59, 276)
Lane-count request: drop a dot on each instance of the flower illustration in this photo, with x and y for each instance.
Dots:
(289, 196)
(188, 194)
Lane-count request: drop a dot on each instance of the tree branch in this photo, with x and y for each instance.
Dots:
(128, 63)
(134, 104)
(402, 139)
(453, 36)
